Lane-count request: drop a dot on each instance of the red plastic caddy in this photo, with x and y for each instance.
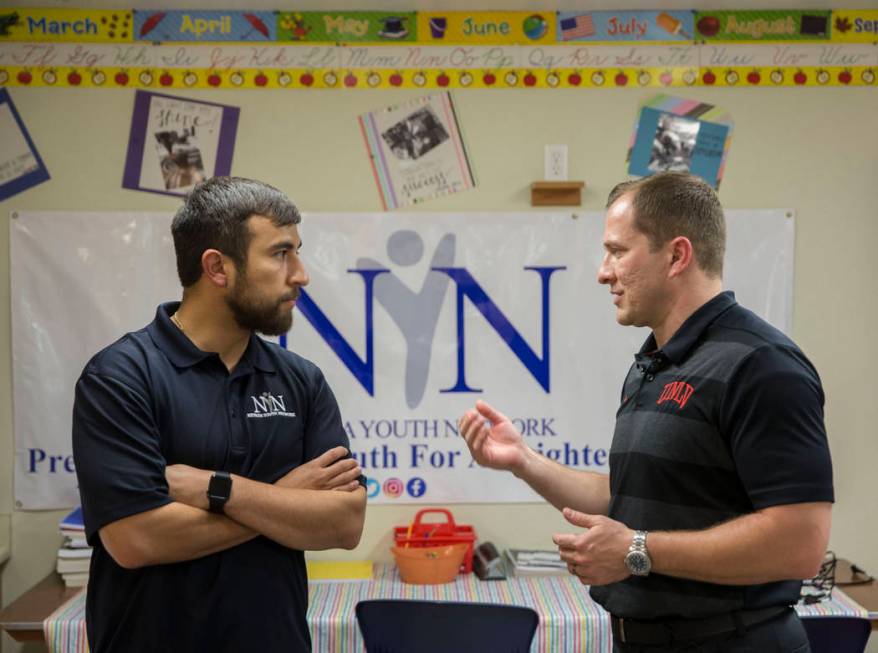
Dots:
(421, 533)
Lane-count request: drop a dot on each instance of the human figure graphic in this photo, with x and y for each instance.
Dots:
(415, 313)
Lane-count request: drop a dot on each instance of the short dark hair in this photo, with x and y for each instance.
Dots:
(214, 216)
(671, 204)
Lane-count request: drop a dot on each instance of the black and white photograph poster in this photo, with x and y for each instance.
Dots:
(176, 143)
(416, 151)
(681, 135)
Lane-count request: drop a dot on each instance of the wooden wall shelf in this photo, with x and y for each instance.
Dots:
(556, 193)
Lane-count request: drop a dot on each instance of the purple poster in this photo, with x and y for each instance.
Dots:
(176, 143)
(20, 164)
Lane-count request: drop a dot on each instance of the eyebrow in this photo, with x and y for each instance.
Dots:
(285, 244)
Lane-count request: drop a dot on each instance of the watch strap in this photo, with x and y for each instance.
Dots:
(219, 489)
(638, 542)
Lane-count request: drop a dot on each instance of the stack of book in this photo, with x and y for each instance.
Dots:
(525, 562)
(74, 556)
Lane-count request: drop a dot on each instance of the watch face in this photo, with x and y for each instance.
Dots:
(219, 486)
(638, 563)
(218, 491)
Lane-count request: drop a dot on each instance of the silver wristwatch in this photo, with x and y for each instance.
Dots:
(637, 560)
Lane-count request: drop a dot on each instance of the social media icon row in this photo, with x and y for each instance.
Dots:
(394, 487)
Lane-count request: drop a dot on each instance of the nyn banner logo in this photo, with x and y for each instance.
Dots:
(418, 312)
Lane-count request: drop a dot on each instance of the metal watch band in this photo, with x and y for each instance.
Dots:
(637, 560)
(638, 543)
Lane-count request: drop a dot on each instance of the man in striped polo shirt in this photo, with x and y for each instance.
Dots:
(719, 495)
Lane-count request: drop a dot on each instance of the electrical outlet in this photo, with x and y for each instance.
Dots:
(556, 163)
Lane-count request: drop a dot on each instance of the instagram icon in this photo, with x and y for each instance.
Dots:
(393, 487)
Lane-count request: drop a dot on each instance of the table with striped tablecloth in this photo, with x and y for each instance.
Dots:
(569, 620)
(64, 629)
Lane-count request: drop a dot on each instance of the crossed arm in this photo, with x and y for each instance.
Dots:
(318, 505)
(776, 543)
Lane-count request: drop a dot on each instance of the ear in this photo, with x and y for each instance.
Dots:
(216, 267)
(682, 255)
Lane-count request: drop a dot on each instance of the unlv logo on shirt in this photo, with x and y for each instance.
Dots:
(676, 391)
(268, 405)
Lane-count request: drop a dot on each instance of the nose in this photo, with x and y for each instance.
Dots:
(605, 272)
(298, 274)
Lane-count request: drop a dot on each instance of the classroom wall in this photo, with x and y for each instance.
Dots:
(814, 150)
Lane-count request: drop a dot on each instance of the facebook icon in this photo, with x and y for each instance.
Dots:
(416, 487)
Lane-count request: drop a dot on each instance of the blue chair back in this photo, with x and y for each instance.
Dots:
(400, 626)
(837, 634)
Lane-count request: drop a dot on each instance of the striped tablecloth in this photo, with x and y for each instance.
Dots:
(839, 605)
(569, 620)
(64, 629)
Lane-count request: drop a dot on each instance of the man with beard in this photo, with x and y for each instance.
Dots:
(209, 459)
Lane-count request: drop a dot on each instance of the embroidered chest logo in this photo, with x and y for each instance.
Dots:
(269, 405)
(676, 391)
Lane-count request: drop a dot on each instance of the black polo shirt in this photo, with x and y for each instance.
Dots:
(725, 419)
(153, 399)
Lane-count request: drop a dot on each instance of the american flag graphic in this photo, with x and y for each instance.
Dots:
(577, 27)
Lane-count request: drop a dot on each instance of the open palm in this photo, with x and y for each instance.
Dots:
(492, 439)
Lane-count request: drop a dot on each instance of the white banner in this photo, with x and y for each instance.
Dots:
(412, 317)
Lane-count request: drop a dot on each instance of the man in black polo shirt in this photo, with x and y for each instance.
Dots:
(720, 487)
(208, 459)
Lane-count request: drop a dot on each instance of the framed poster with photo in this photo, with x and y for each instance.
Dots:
(416, 151)
(177, 142)
(681, 135)
(20, 164)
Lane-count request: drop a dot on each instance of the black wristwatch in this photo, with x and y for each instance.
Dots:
(219, 490)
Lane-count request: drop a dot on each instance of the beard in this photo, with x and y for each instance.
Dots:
(256, 312)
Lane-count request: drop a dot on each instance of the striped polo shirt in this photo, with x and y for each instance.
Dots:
(725, 419)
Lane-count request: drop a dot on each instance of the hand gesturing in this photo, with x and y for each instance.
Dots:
(492, 439)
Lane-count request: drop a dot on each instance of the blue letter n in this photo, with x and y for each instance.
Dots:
(467, 286)
(362, 369)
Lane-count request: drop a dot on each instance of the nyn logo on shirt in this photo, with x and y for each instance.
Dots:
(676, 391)
(269, 405)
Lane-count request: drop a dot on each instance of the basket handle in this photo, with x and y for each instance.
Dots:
(443, 511)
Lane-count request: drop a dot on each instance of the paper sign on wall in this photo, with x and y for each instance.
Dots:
(176, 143)
(20, 164)
(681, 135)
(416, 151)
